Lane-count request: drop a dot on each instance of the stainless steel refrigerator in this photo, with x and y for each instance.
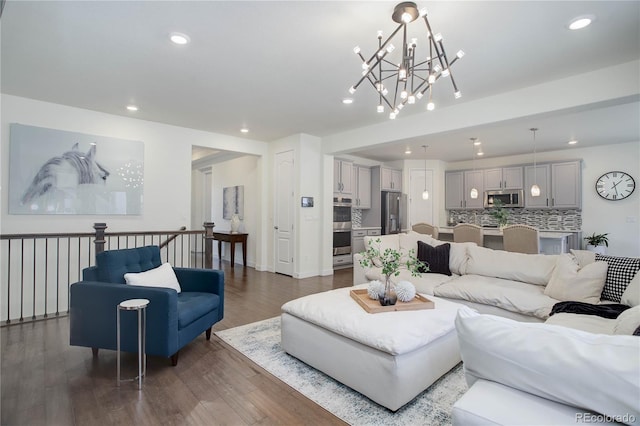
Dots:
(393, 212)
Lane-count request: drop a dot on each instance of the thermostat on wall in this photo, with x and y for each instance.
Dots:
(306, 201)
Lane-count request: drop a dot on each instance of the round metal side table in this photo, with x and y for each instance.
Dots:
(139, 305)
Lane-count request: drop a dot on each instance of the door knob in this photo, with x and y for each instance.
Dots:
(275, 227)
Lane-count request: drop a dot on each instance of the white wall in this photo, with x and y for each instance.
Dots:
(167, 167)
(240, 171)
(620, 219)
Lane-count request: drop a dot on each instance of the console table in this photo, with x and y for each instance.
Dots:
(232, 239)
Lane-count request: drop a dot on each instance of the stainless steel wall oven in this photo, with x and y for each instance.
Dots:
(341, 226)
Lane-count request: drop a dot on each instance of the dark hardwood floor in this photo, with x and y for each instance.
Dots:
(45, 381)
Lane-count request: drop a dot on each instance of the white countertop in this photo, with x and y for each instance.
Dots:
(498, 233)
(366, 228)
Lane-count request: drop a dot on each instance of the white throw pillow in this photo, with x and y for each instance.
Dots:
(391, 241)
(162, 276)
(631, 295)
(569, 282)
(584, 257)
(526, 268)
(596, 372)
(459, 256)
(628, 321)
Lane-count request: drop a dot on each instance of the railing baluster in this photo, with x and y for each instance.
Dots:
(21, 280)
(9, 283)
(57, 276)
(33, 313)
(46, 275)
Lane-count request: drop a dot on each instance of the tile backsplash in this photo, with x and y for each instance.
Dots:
(547, 219)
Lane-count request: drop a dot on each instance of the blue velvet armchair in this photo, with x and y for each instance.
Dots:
(173, 319)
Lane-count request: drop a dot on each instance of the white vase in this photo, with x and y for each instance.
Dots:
(235, 224)
(597, 249)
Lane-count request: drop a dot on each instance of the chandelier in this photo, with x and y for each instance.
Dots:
(401, 82)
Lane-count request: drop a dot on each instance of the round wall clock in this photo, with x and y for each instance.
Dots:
(615, 185)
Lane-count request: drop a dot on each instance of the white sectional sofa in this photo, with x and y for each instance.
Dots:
(573, 369)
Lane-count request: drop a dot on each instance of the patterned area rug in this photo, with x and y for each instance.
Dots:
(260, 342)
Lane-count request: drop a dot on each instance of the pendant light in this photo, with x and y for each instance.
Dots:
(425, 193)
(474, 191)
(535, 189)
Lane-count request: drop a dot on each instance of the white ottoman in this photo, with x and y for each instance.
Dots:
(389, 357)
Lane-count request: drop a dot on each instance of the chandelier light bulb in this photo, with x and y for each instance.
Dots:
(365, 66)
(380, 108)
(473, 193)
(400, 107)
(431, 79)
(446, 72)
(535, 190)
(423, 12)
(406, 17)
(425, 195)
(381, 52)
(460, 54)
(352, 90)
(402, 74)
(390, 48)
(356, 50)
(411, 99)
(404, 94)
(392, 115)
(457, 94)
(419, 95)
(379, 33)
(384, 91)
(431, 106)
(414, 42)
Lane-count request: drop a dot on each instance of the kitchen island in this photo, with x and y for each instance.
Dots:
(551, 242)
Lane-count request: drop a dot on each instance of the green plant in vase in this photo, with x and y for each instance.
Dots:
(500, 213)
(597, 243)
(391, 262)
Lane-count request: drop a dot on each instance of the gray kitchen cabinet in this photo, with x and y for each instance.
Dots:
(362, 187)
(560, 185)
(342, 177)
(391, 179)
(566, 185)
(453, 190)
(474, 179)
(357, 238)
(503, 178)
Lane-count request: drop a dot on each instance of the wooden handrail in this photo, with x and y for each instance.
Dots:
(171, 238)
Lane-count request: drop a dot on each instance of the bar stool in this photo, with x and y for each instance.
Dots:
(139, 305)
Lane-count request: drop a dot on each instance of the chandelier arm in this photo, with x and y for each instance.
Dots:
(383, 45)
(371, 69)
(433, 42)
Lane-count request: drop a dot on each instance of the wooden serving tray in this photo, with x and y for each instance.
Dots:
(374, 306)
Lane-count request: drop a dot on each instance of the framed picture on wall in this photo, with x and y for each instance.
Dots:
(233, 202)
(59, 172)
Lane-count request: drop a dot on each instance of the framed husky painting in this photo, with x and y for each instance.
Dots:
(58, 172)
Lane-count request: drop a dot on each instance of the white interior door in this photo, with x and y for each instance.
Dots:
(420, 210)
(283, 221)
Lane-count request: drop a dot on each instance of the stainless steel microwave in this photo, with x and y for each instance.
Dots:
(509, 198)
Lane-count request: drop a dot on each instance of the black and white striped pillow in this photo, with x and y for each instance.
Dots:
(620, 272)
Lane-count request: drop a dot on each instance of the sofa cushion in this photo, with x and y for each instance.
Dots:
(619, 274)
(584, 257)
(382, 242)
(435, 258)
(590, 323)
(570, 282)
(113, 264)
(628, 321)
(596, 372)
(513, 296)
(631, 295)
(162, 276)
(193, 305)
(527, 268)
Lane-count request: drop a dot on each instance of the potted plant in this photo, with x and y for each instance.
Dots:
(499, 213)
(391, 261)
(597, 243)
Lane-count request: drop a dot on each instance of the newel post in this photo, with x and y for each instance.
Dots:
(208, 245)
(100, 240)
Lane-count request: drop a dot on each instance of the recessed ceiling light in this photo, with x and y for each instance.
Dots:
(407, 151)
(480, 153)
(477, 143)
(572, 142)
(179, 38)
(132, 108)
(244, 130)
(347, 101)
(581, 22)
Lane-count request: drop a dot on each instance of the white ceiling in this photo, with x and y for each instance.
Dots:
(282, 68)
